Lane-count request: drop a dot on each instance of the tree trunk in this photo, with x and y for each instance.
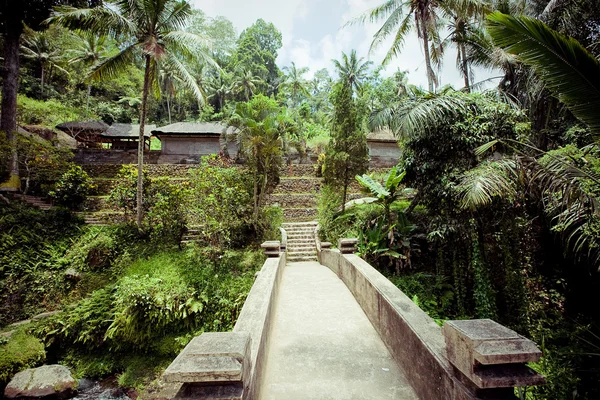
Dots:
(430, 73)
(169, 108)
(42, 81)
(8, 120)
(464, 66)
(87, 100)
(140, 188)
(345, 188)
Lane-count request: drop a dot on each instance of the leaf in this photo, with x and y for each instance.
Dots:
(570, 71)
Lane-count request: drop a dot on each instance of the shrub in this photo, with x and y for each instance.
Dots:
(165, 203)
(221, 203)
(73, 188)
(20, 352)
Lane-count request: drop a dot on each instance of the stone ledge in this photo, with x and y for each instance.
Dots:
(211, 357)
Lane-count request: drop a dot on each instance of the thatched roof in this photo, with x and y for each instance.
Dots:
(193, 129)
(127, 131)
(382, 135)
(80, 126)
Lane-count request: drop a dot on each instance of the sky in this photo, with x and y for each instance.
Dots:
(314, 32)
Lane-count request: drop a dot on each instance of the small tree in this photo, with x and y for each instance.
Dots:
(346, 154)
(260, 137)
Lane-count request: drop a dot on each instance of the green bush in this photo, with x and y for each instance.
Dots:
(221, 203)
(22, 351)
(157, 303)
(73, 188)
(31, 243)
(165, 204)
(48, 113)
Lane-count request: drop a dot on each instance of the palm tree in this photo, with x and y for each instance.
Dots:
(91, 50)
(464, 16)
(400, 17)
(567, 68)
(38, 48)
(220, 90)
(246, 83)
(260, 137)
(295, 82)
(563, 184)
(153, 29)
(352, 69)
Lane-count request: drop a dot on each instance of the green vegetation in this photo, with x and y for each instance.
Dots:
(501, 218)
(19, 352)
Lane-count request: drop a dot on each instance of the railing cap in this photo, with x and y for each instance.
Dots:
(491, 355)
(212, 357)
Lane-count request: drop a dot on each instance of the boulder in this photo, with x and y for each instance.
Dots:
(73, 275)
(46, 381)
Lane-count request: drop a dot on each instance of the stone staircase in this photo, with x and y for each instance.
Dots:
(192, 235)
(92, 218)
(301, 241)
(34, 201)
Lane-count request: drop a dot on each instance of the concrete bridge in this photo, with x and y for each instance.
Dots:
(333, 327)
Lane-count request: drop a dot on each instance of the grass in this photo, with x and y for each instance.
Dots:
(155, 144)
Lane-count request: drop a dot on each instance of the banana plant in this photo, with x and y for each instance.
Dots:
(385, 193)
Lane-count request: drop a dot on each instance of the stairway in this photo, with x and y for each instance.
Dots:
(192, 235)
(301, 241)
(35, 201)
(92, 218)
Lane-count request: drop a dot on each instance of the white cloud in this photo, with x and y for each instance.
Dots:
(293, 19)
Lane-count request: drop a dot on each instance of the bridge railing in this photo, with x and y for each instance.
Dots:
(229, 364)
(474, 359)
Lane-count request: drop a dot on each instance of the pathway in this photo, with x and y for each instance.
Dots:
(322, 345)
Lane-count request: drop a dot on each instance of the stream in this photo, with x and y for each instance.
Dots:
(104, 390)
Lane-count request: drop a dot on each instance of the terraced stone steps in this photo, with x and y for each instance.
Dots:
(192, 235)
(34, 201)
(301, 241)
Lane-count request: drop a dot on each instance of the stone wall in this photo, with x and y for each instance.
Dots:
(383, 154)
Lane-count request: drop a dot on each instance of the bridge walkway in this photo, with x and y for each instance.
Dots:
(322, 345)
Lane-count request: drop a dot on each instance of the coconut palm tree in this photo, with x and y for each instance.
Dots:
(567, 68)
(295, 82)
(152, 29)
(90, 51)
(220, 90)
(566, 186)
(38, 48)
(246, 83)
(352, 69)
(464, 16)
(400, 17)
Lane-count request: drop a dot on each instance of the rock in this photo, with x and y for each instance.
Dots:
(48, 380)
(7, 334)
(25, 322)
(73, 275)
(44, 315)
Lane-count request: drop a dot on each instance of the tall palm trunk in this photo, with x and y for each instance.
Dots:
(430, 73)
(141, 143)
(169, 107)
(42, 76)
(87, 100)
(8, 119)
(464, 66)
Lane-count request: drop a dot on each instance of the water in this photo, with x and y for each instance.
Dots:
(105, 390)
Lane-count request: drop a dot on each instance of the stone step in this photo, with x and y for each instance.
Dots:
(301, 254)
(301, 244)
(299, 259)
(305, 214)
(301, 241)
(298, 233)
